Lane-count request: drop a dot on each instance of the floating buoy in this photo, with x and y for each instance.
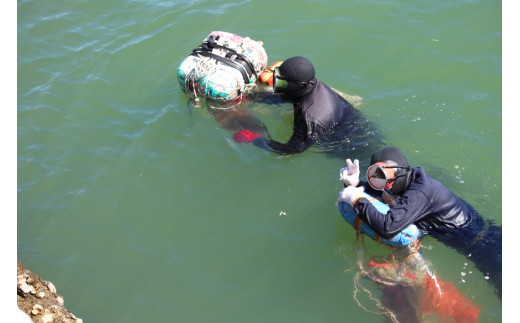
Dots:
(403, 238)
(224, 67)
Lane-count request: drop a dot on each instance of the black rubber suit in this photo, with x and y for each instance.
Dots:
(433, 208)
(320, 114)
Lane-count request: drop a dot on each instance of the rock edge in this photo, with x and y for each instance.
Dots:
(38, 299)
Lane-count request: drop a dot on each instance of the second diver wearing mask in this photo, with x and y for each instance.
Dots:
(414, 197)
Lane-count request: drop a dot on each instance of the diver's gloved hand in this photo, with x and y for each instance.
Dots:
(350, 194)
(350, 174)
(245, 136)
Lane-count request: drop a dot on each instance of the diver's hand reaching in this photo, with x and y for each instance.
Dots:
(350, 194)
(350, 174)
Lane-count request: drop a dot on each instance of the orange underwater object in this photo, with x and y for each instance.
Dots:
(432, 296)
(267, 75)
(446, 301)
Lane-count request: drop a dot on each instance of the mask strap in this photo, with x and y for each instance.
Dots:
(395, 177)
(402, 175)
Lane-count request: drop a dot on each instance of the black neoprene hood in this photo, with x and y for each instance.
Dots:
(297, 68)
(389, 153)
(402, 175)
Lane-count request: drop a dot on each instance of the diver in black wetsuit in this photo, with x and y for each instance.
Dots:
(414, 197)
(320, 114)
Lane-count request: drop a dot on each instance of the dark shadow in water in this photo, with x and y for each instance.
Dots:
(237, 118)
(233, 116)
(357, 139)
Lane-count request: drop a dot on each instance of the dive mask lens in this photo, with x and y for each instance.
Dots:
(279, 83)
(377, 177)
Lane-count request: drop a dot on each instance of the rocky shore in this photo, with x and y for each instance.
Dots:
(39, 300)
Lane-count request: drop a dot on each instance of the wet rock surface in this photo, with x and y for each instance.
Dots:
(39, 300)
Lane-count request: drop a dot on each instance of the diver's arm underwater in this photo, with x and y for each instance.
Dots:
(299, 141)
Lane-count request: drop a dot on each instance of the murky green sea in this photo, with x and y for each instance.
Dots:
(140, 208)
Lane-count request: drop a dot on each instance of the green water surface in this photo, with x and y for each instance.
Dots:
(140, 208)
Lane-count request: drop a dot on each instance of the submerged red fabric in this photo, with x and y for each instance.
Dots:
(245, 136)
(445, 300)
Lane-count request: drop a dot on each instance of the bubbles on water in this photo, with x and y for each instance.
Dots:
(463, 273)
(459, 176)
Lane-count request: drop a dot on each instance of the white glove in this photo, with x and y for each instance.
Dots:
(350, 194)
(350, 174)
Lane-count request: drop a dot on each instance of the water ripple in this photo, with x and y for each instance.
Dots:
(56, 16)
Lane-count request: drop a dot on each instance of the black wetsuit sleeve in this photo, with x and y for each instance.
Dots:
(410, 208)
